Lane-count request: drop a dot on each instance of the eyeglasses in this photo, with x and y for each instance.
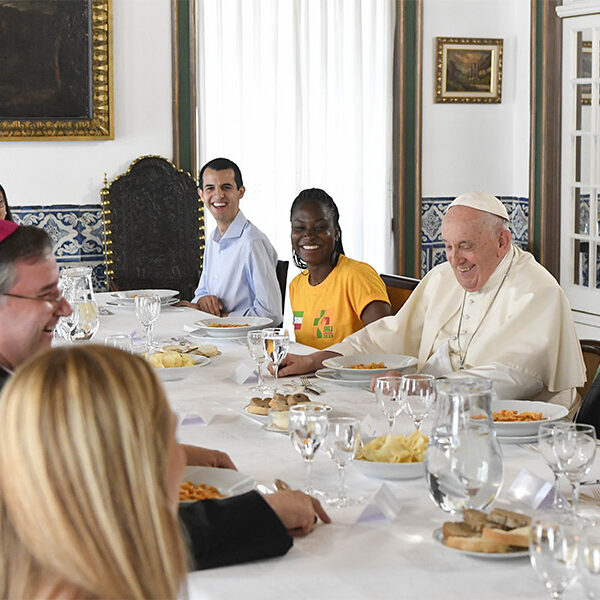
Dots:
(53, 302)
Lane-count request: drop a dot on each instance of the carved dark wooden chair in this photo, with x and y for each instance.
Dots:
(399, 288)
(590, 392)
(153, 228)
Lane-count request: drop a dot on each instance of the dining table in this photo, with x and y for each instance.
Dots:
(362, 553)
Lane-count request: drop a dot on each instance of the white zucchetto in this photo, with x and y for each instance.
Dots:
(481, 201)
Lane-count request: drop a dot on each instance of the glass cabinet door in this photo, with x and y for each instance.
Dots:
(580, 194)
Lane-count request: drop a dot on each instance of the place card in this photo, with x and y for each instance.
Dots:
(369, 426)
(244, 371)
(533, 491)
(382, 505)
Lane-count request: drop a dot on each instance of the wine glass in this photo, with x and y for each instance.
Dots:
(589, 555)
(147, 310)
(343, 440)
(546, 449)
(256, 347)
(418, 395)
(308, 425)
(575, 447)
(388, 394)
(277, 343)
(553, 550)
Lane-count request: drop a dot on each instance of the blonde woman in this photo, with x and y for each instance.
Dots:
(90, 480)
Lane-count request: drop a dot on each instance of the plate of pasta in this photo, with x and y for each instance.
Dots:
(365, 366)
(230, 326)
(203, 483)
(523, 417)
(392, 456)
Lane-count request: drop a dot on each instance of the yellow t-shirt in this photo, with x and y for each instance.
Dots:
(325, 314)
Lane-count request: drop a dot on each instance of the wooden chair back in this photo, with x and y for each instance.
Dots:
(399, 288)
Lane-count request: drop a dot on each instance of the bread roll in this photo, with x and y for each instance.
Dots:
(508, 518)
(457, 529)
(475, 519)
(259, 406)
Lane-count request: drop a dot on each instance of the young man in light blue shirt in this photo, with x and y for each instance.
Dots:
(238, 277)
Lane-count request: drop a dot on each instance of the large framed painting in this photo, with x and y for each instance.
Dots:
(56, 70)
(468, 70)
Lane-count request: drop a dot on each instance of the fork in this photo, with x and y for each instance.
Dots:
(309, 385)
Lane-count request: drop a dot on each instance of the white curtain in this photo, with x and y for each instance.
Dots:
(299, 94)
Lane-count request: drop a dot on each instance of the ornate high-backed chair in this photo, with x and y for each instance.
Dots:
(153, 228)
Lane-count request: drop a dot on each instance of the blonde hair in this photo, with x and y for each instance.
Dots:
(83, 495)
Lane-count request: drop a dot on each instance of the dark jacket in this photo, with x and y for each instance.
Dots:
(589, 412)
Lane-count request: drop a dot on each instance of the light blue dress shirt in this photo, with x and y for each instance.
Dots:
(239, 269)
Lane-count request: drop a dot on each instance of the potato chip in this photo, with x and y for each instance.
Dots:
(395, 448)
(170, 360)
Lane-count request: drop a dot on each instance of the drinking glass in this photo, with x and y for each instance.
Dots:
(75, 283)
(147, 310)
(553, 550)
(418, 395)
(343, 439)
(575, 447)
(546, 448)
(308, 425)
(389, 396)
(84, 320)
(463, 463)
(256, 347)
(277, 344)
(589, 564)
(121, 341)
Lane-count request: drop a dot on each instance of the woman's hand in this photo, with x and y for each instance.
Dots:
(298, 512)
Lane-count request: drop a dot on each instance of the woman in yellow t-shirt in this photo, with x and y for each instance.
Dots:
(334, 296)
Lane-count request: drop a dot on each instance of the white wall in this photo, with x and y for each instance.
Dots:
(71, 172)
(478, 146)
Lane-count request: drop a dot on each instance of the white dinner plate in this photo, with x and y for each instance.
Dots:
(344, 364)
(438, 536)
(550, 412)
(232, 325)
(517, 439)
(128, 296)
(123, 305)
(337, 377)
(227, 481)
(179, 373)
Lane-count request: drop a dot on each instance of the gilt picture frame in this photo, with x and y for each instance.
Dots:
(468, 70)
(56, 79)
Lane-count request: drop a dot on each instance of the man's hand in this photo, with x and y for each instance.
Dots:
(204, 457)
(388, 374)
(298, 512)
(210, 304)
(297, 364)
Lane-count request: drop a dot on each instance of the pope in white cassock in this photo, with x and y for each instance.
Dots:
(490, 311)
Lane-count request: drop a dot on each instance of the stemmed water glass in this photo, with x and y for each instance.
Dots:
(553, 550)
(546, 448)
(277, 344)
(389, 395)
(308, 425)
(418, 395)
(256, 347)
(343, 440)
(147, 310)
(589, 555)
(575, 447)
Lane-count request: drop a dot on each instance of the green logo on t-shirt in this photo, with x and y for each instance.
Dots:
(323, 325)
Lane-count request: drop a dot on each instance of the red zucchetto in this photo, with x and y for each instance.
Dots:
(7, 228)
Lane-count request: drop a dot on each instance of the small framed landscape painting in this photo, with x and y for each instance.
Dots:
(468, 70)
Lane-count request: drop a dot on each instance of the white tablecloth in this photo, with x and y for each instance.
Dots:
(375, 559)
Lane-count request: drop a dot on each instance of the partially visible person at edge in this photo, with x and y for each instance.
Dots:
(490, 311)
(334, 296)
(221, 533)
(72, 531)
(4, 207)
(239, 274)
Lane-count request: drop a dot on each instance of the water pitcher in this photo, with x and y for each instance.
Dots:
(464, 461)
